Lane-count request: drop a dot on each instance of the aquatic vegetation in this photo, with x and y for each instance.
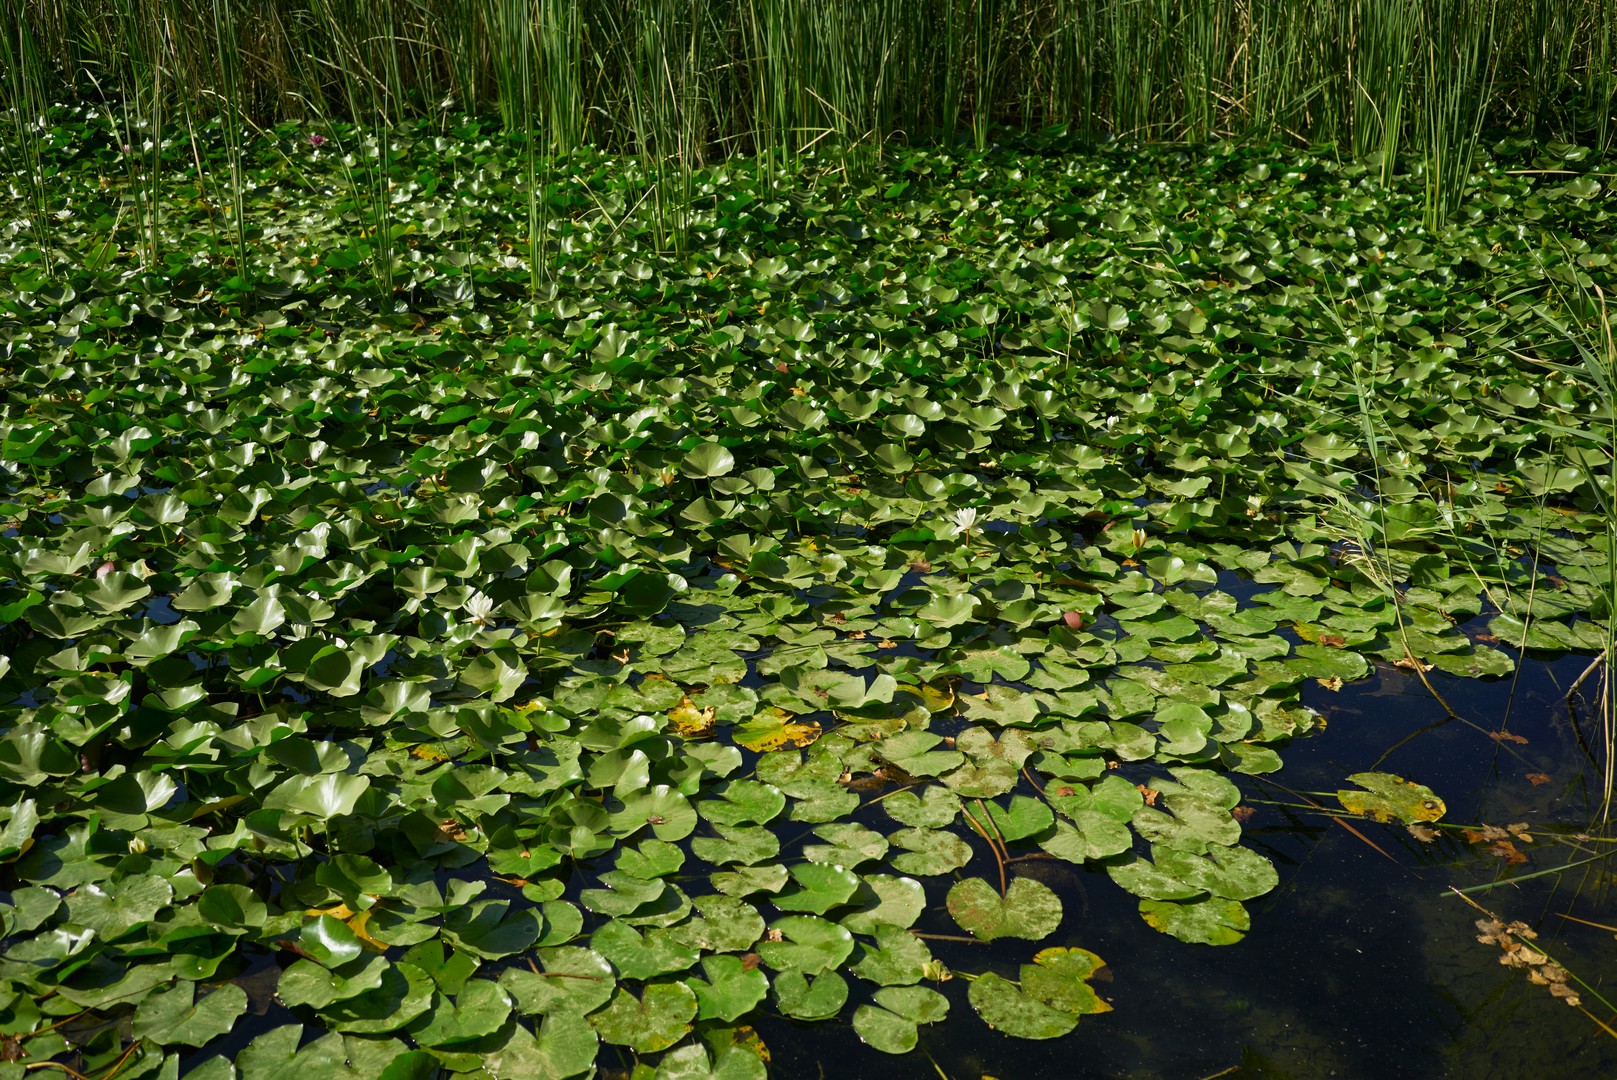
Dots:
(537, 665)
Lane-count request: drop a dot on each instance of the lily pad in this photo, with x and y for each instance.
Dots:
(1387, 797)
(1029, 909)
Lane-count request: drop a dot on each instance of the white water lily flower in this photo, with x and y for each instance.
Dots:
(479, 608)
(965, 519)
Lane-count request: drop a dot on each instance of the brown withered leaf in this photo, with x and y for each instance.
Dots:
(1410, 663)
(1333, 683)
(1507, 851)
(1242, 813)
(450, 830)
(1566, 994)
(1538, 779)
(1424, 833)
(1485, 835)
(1149, 793)
(1335, 641)
(1506, 736)
(1519, 831)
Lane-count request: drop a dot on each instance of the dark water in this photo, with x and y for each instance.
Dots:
(1360, 964)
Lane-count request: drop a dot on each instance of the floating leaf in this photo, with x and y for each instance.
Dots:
(1387, 797)
(1029, 909)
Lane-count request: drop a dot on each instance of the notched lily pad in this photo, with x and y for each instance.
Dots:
(1029, 909)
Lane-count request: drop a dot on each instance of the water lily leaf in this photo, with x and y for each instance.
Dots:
(666, 811)
(934, 808)
(1212, 920)
(1480, 663)
(177, 1015)
(807, 944)
(1029, 909)
(570, 980)
(479, 1010)
(805, 998)
(329, 940)
(656, 1020)
(891, 1025)
(1023, 817)
(642, 956)
(708, 459)
(114, 908)
(1002, 705)
(731, 990)
(1054, 994)
(491, 930)
(403, 994)
(1387, 797)
(746, 880)
(275, 1055)
(744, 844)
(692, 1062)
(742, 801)
(898, 958)
(726, 924)
(308, 983)
(817, 887)
(565, 1045)
(847, 844)
(1088, 835)
(324, 797)
(768, 732)
(928, 851)
(915, 753)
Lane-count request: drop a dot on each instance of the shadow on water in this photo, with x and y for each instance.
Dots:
(1361, 963)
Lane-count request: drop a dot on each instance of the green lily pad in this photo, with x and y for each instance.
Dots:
(1212, 920)
(1054, 994)
(892, 1024)
(655, 1020)
(731, 988)
(807, 944)
(817, 888)
(804, 998)
(1029, 909)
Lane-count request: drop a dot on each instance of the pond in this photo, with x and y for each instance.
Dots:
(924, 622)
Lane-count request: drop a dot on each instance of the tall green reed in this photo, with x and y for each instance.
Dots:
(1586, 352)
(1383, 33)
(26, 104)
(1456, 50)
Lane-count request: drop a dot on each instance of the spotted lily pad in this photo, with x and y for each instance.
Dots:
(655, 1020)
(1212, 920)
(1029, 909)
(1387, 797)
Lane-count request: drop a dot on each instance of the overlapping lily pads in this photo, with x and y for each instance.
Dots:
(618, 660)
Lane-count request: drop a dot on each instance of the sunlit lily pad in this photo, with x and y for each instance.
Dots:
(655, 1020)
(1029, 909)
(1387, 797)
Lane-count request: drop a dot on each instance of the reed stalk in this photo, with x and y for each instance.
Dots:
(1456, 49)
(26, 106)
